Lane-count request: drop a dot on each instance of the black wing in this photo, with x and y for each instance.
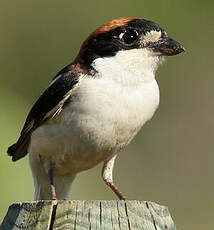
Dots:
(49, 103)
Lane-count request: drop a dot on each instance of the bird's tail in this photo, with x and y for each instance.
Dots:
(20, 148)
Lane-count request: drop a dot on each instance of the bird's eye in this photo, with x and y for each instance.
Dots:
(129, 37)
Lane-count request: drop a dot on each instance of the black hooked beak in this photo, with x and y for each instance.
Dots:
(167, 47)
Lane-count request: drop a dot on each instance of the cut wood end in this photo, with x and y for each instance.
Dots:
(91, 214)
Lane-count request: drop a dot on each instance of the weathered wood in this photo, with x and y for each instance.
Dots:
(87, 215)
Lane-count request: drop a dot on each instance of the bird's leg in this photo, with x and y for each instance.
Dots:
(52, 187)
(107, 174)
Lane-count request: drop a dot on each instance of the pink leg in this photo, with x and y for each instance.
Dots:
(52, 187)
(107, 174)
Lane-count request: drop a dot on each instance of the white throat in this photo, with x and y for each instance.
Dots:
(129, 67)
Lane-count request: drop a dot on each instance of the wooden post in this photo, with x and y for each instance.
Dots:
(87, 215)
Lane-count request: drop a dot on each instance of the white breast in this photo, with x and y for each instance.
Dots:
(104, 115)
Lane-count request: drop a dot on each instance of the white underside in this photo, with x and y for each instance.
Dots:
(104, 115)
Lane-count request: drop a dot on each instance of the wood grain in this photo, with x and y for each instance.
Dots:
(87, 215)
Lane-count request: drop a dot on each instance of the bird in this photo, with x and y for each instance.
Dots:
(95, 106)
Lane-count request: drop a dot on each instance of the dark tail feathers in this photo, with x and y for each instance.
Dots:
(19, 149)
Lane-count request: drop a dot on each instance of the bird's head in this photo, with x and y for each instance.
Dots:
(128, 41)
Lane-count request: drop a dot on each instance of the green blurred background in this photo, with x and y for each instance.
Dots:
(171, 160)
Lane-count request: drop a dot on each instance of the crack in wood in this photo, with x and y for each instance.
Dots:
(52, 216)
(75, 220)
(153, 219)
(100, 213)
(112, 221)
(129, 225)
(89, 218)
(118, 215)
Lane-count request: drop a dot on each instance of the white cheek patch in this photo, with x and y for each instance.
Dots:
(152, 36)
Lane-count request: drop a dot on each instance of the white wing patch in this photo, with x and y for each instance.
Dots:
(54, 80)
(29, 126)
(58, 108)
